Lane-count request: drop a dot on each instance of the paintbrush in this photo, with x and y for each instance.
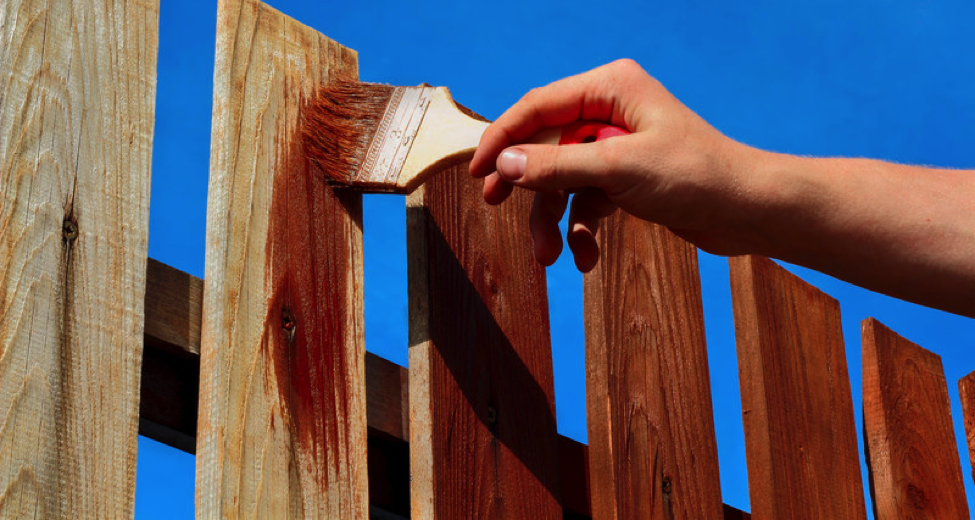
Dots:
(387, 139)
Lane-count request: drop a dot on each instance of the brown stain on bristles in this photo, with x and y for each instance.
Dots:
(338, 124)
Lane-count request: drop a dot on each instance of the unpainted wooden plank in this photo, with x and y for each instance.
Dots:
(282, 429)
(653, 452)
(77, 102)
(800, 432)
(915, 471)
(966, 389)
(482, 429)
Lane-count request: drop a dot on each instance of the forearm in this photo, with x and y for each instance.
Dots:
(901, 230)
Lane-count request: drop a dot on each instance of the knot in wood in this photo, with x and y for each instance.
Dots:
(916, 498)
(667, 486)
(492, 415)
(69, 230)
(288, 321)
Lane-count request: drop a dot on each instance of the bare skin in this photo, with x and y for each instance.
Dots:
(906, 231)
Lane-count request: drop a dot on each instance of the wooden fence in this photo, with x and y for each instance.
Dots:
(261, 370)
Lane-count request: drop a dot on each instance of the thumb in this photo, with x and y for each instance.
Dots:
(541, 167)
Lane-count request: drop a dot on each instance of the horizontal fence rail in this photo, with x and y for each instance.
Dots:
(261, 370)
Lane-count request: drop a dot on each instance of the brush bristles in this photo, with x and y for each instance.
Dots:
(339, 123)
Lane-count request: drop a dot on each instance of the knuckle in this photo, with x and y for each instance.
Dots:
(627, 65)
(609, 157)
(626, 62)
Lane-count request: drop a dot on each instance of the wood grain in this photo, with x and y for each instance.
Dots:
(800, 434)
(915, 471)
(77, 101)
(482, 428)
(282, 429)
(653, 452)
(174, 308)
(966, 390)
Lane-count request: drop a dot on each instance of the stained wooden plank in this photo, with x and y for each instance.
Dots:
(915, 471)
(482, 429)
(170, 382)
(966, 389)
(169, 397)
(653, 452)
(282, 429)
(77, 101)
(800, 434)
(174, 308)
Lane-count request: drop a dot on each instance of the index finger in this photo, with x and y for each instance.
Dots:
(590, 95)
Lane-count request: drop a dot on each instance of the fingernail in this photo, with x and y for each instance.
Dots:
(511, 164)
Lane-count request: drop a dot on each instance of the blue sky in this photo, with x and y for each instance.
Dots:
(885, 79)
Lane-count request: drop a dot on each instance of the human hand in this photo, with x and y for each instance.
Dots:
(673, 169)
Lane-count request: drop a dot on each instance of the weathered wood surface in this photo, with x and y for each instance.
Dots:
(966, 390)
(915, 471)
(282, 430)
(800, 434)
(482, 421)
(77, 102)
(652, 448)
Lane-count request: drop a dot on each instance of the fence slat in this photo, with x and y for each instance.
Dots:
(77, 102)
(800, 434)
(651, 429)
(282, 430)
(482, 412)
(966, 389)
(915, 471)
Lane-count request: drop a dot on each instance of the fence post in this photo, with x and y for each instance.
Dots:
(282, 430)
(800, 434)
(77, 101)
(652, 449)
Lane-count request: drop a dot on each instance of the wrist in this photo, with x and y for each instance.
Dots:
(776, 191)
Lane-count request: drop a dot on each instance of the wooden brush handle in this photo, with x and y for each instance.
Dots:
(449, 136)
